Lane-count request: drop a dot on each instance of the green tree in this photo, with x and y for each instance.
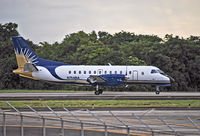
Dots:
(178, 57)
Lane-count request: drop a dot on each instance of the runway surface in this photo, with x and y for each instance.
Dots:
(141, 123)
(104, 96)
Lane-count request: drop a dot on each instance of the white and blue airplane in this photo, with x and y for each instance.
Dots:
(31, 66)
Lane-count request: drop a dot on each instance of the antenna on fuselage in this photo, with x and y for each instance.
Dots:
(109, 64)
(126, 71)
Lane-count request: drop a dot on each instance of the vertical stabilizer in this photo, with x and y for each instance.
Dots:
(24, 56)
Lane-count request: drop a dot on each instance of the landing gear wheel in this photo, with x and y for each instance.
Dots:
(101, 91)
(157, 92)
(97, 92)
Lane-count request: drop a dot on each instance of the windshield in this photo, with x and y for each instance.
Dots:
(153, 71)
(160, 71)
(157, 71)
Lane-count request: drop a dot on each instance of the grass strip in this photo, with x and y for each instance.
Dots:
(104, 103)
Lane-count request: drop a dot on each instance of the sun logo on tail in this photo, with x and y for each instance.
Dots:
(23, 50)
(28, 55)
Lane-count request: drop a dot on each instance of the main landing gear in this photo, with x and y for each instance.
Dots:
(98, 91)
(157, 90)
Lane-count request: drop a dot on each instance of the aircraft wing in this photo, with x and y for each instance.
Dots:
(108, 79)
(97, 79)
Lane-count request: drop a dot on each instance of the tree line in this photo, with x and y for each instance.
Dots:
(178, 57)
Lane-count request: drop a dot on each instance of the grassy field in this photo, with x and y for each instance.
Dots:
(95, 103)
(104, 103)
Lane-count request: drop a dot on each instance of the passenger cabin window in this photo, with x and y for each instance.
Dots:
(115, 72)
(74, 72)
(110, 72)
(105, 72)
(79, 72)
(142, 73)
(129, 72)
(70, 72)
(120, 72)
(99, 72)
(95, 72)
(89, 72)
(84, 72)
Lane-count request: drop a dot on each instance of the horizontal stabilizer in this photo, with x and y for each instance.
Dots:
(29, 67)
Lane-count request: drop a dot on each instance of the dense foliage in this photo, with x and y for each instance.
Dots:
(178, 57)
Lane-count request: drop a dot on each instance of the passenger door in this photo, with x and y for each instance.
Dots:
(135, 75)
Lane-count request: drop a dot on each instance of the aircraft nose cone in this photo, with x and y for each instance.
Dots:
(171, 79)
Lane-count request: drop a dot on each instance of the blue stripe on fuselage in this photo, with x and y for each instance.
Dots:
(150, 82)
(45, 62)
(51, 66)
(72, 82)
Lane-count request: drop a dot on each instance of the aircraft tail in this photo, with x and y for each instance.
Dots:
(26, 58)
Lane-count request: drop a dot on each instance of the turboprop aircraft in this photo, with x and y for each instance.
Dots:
(31, 66)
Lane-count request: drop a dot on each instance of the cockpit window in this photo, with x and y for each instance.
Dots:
(160, 71)
(153, 71)
(157, 71)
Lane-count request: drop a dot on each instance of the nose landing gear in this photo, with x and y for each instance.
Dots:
(157, 90)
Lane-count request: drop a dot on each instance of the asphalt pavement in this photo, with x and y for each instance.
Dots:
(141, 123)
(104, 96)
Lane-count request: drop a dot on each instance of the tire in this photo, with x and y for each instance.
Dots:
(101, 91)
(157, 92)
(97, 92)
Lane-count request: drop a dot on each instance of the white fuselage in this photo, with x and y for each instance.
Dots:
(79, 73)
